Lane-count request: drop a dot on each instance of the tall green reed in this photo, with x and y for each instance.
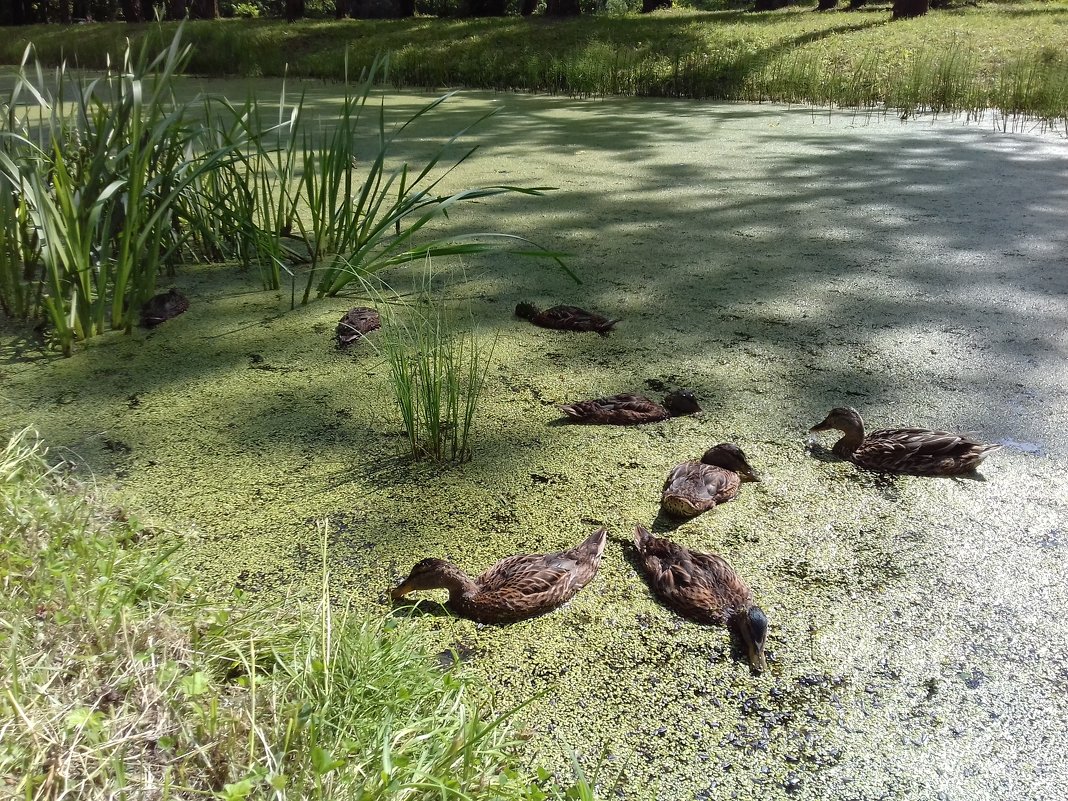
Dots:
(359, 224)
(437, 371)
(111, 182)
(101, 177)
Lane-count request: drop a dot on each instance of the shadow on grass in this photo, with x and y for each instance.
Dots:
(538, 54)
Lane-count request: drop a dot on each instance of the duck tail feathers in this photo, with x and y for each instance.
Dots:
(642, 537)
(594, 544)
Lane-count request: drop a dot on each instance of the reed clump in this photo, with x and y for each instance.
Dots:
(438, 364)
(108, 183)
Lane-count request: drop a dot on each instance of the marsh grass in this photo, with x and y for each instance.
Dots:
(108, 182)
(437, 369)
(98, 171)
(1008, 57)
(358, 225)
(121, 680)
(932, 80)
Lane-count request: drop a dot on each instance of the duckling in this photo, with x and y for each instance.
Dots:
(515, 588)
(695, 487)
(162, 307)
(565, 318)
(703, 588)
(357, 323)
(916, 451)
(629, 410)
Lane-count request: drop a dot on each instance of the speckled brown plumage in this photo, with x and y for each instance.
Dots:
(515, 588)
(629, 410)
(565, 318)
(915, 451)
(162, 307)
(357, 323)
(704, 588)
(695, 487)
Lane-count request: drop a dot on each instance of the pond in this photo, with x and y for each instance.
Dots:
(777, 261)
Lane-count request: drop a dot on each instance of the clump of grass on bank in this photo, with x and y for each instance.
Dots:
(1012, 57)
(120, 680)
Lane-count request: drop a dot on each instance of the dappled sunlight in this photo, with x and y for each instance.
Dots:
(778, 262)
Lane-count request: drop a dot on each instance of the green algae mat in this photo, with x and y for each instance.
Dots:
(778, 262)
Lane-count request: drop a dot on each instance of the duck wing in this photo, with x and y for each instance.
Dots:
(921, 452)
(572, 318)
(695, 487)
(700, 586)
(527, 585)
(616, 410)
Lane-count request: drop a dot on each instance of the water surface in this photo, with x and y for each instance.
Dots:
(777, 261)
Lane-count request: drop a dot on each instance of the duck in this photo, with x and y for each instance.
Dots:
(695, 487)
(162, 307)
(704, 588)
(913, 451)
(565, 318)
(516, 588)
(357, 323)
(629, 410)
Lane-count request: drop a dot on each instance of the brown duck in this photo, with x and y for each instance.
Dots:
(357, 323)
(630, 410)
(565, 318)
(162, 307)
(916, 451)
(515, 588)
(695, 487)
(705, 589)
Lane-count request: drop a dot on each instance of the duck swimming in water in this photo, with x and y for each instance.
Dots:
(565, 318)
(705, 588)
(915, 451)
(357, 323)
(695, 487)
(515, 588)
(162, 307)
(629, 410)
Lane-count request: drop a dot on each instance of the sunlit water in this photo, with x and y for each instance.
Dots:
(779, 262)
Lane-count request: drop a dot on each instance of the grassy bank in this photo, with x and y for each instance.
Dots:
(1011, 57)
(120, 680)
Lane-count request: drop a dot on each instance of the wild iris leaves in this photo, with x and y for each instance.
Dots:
(108, 183)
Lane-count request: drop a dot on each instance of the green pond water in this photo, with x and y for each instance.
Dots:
(777, 261)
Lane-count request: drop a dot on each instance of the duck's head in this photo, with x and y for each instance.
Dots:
(730, 457)
(752, 626)
(429, 574)
(525, 310)
(842, 418)
(682, 401)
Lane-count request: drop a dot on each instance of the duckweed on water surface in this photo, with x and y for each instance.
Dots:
(779, 265)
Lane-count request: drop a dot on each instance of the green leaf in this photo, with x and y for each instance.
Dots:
(323, 762)
(83, 718)
(194, 684)
(236, 791)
